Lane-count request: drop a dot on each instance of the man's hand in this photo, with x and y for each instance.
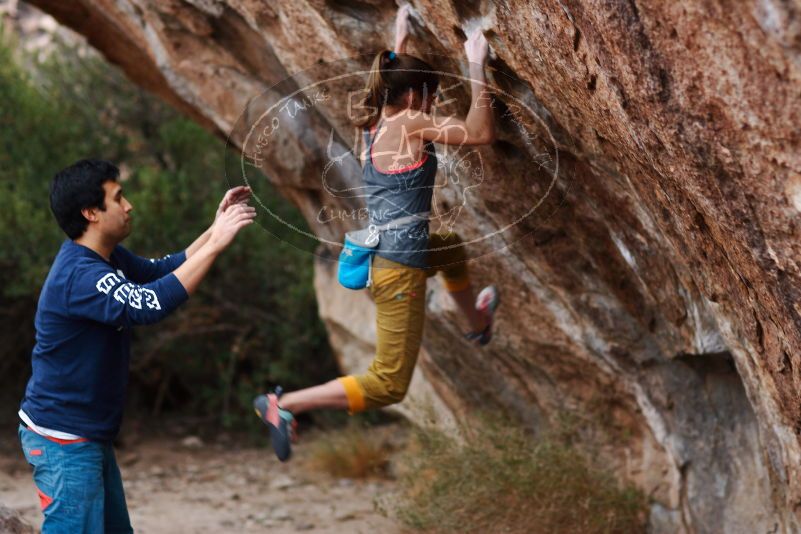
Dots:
(228, 224)
(232, 215)
(235, 195)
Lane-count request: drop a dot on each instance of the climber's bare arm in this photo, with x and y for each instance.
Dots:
(401, 29)
(478, 128)
(453, 131)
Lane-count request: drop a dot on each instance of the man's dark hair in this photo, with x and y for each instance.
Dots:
(78, 187)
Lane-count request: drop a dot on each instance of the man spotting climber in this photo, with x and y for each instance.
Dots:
(95, 292)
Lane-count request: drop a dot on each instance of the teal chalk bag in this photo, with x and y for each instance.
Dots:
(356, 258)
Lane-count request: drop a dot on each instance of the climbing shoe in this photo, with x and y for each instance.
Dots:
(280, 422)
(487, 302)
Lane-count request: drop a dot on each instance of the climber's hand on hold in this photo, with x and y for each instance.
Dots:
(402, 28)
(476, 48)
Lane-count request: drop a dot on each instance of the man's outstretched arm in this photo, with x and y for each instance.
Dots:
(143, 270)
(99, 293)
(225, 228)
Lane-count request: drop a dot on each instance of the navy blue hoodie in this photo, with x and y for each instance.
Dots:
(83, 330)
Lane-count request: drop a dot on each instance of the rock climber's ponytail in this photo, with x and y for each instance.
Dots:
(390, 78)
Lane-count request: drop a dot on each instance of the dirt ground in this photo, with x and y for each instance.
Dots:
(182, 484)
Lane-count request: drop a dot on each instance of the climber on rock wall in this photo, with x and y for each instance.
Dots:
(399, 169)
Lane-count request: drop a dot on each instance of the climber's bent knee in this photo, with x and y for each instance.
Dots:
(447, 255)
(381, 389)
(354, 393)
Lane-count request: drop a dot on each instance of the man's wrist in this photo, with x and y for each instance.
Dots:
(212, 247)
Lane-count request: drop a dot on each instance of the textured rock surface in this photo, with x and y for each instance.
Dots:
(11, 523)
(655, 290)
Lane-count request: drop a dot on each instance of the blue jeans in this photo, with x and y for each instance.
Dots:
(79, 485)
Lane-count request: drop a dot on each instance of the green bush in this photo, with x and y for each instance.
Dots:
(505, 480)
(354, 450)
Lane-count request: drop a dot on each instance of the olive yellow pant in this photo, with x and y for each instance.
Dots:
(399, 292)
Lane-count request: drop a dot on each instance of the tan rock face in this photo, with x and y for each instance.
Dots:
(653, 293)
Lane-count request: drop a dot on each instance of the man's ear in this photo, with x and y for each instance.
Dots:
(90, 214)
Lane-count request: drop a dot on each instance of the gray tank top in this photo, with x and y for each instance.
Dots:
(401, 193)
